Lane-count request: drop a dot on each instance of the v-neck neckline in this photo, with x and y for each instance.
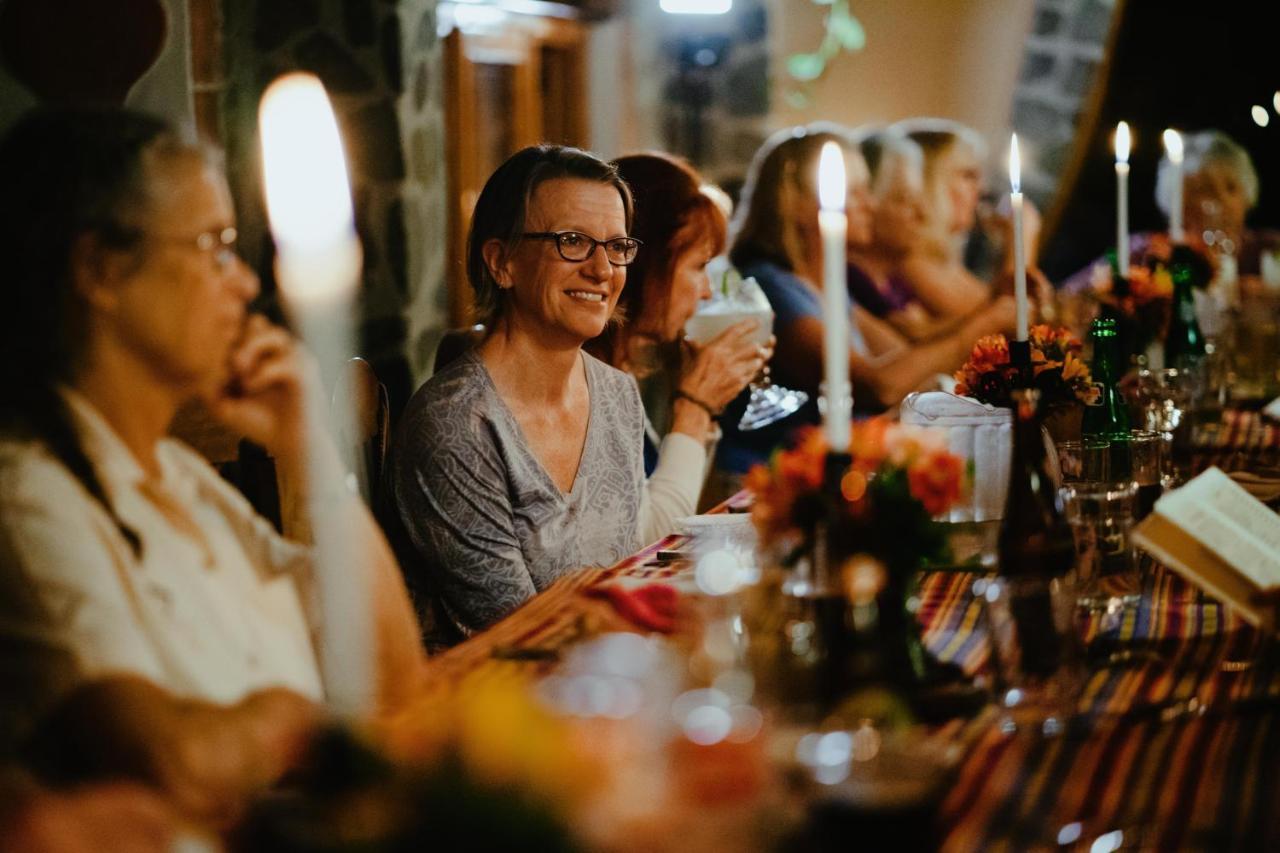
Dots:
(587, 441)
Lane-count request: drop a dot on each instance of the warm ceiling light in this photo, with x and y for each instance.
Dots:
(1260, 116)
(696, 7)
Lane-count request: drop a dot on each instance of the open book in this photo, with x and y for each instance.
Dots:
(1219, 537)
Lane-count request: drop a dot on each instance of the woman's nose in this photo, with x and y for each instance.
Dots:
(598, 266)
(244, 280)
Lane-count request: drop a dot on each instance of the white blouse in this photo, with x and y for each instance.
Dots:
(212, 608)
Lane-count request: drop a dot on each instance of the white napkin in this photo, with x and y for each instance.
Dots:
(978, 433)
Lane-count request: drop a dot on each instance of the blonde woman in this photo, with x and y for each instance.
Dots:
(953, 156)
(776, 240)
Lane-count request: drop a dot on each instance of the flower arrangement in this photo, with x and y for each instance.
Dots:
(1059, 373)
(898, 479)
(480, 767)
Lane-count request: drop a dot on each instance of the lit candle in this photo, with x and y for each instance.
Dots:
(318, 267)
(1173, 148)
(834, 225)
(1122, 197)
(1019, 250)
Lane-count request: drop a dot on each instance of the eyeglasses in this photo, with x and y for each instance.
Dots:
(577, 247)
(220, 244)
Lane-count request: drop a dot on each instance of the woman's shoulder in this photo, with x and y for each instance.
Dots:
(790, 295)
(768, 273)
(30, 472)
(451, 396)
(616, 386)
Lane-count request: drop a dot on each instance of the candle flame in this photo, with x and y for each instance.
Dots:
(304, 169)
(1173, 145)
(1015, 165)
(1122, 142)
(832, 183)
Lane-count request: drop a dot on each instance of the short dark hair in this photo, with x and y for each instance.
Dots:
(500, 211)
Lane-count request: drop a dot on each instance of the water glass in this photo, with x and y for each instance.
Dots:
(1147, 451)
(1086, 460)
(1034, 648)
(1164, 403)
(1101, 516)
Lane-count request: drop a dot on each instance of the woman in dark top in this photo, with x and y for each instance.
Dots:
(776, 240)
(876, 281)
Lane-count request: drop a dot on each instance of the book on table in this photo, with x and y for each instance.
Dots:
(1220, 538)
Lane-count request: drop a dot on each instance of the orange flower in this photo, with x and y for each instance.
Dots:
(937, 481)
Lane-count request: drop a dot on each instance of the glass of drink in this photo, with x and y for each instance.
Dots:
(1085, 460)
(1147, 452)
(1165, 401)
(1030, 621)
(1101, 516)
(739, 299)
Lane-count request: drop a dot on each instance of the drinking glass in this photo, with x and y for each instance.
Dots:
(735, 300)
(1101, 517)
(1086, 460)
(1147, 452)
(1164, 403)
(1034, 648)
(1254, 353)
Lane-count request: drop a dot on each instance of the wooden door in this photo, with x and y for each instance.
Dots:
(505, 89)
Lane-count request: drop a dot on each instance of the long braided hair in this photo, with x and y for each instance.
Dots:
(64, 173)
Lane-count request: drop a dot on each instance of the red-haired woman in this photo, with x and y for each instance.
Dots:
(684, 385)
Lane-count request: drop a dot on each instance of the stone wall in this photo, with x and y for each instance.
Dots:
(380, 61)
(1061, 59)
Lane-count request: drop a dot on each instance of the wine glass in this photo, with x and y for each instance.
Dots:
(739, 299)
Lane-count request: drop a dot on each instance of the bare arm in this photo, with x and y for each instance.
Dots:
(208, 760)
(945, 290)
(895, 372)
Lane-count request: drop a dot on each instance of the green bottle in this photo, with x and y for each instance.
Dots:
(1184, 343)
(1108, 418)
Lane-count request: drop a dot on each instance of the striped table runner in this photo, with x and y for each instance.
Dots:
(1241, 440)
(1134, 762)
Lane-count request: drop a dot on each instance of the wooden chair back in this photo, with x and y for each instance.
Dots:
(455, 342)
(365, 425)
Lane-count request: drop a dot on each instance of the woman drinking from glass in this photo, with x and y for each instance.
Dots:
(777, 241)
(684, 385)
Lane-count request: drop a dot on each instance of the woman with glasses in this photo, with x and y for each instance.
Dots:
(521, 460)
(684, 385)
(122, 553)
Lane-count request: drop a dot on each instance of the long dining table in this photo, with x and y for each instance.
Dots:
(1176, 743)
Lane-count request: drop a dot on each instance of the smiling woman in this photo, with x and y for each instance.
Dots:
(522, 459)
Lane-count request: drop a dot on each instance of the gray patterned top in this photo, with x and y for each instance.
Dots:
(483, 526)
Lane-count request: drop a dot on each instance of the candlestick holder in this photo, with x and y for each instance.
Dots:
(1020, 361)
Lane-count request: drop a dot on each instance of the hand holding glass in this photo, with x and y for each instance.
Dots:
(731, 303)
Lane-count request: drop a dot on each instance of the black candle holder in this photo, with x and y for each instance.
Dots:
(1020, 361)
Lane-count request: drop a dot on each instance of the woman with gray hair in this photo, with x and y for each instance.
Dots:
(521, 460)
(1219, 188)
